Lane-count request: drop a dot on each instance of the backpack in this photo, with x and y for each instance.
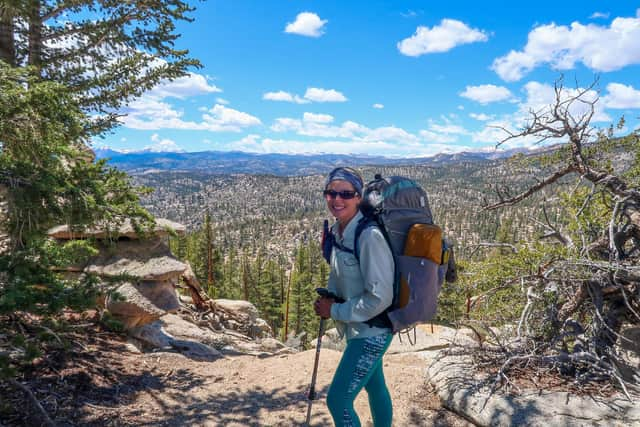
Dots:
(423, 258)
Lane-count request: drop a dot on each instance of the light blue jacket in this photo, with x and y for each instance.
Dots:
(367, 286)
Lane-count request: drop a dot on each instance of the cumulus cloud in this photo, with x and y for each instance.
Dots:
(440, 38)
(438, 138)
(284, 97)
(444, 132)
(600, 48)
(183, 87)
(621, 96)
(319, 125)
(162, 145)
(306, 24)
(378, 106)
(152, 114)
(313, 94)
(317, 118)
(324, 95)
(255, 143)
(222, 101)
(539, 98)
(221, 118)
(481, 116)
(485, 94)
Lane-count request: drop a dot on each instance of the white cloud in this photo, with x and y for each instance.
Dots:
(600, 48)
(313, 94)
(324, 95)
(306, 24)
(183, 87)
(378, 106)
(602, 15)
(409, 14)
(162, 145)
(540, 97)
(149, 113)
(222, 101)
(448, 129)
(317, 125)
(391, 134)
(284, 97)
(254, 143)
(152, 114)
(437, 138)
(317, 118)
(447, 132)
(481, 117)
(250, 143)
(486, 94)
(441, 38)
(221, 118)
(621, 96)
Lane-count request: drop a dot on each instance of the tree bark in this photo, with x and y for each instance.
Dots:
(35, 34)
(7, 38)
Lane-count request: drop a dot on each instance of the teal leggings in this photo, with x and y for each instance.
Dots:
(361, 366)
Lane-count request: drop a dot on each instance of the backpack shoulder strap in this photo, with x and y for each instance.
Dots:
(329, 241)
(364, 223)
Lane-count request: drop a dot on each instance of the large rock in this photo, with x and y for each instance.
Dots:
(244, 311)
(466, 392)
(142, 303)
(142, 259)
(174, 333)
(163, 228)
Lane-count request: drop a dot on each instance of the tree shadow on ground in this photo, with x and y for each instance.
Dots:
(235, 408)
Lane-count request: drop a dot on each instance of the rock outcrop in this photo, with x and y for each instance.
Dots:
(142, 266)
(464, 390)
(146, 276)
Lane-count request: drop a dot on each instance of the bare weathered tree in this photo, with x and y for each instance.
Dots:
(596, 288)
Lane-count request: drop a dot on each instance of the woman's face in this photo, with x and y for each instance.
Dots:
(342, 209)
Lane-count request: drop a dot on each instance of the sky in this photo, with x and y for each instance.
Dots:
(398, 79)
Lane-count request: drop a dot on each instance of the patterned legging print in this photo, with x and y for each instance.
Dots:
(361, 366)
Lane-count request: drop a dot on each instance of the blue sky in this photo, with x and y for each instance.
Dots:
(401, 78)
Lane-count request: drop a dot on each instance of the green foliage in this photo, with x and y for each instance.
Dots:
(51, 180)
(587, 213)
(105, 52)
(491, 288)
(44, 163)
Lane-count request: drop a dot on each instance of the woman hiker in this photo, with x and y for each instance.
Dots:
(367, 288)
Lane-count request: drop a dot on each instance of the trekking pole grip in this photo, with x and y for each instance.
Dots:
(325, 293)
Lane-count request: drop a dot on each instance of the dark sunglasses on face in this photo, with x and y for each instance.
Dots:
(344, 195)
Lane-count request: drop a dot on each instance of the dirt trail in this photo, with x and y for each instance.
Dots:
(251, 391)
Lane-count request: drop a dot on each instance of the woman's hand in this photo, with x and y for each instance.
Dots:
(322, 307)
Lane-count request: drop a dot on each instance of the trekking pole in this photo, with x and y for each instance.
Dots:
(312, 389)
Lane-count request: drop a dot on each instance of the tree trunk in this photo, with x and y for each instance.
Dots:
(35, 34)
(7, 40)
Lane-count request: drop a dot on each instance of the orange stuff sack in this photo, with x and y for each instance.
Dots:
(423, 241)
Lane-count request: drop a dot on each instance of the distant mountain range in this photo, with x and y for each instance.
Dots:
(229, 162)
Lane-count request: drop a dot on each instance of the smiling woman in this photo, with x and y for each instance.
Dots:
(363, 287)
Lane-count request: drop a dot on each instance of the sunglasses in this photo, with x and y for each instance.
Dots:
(344, 195)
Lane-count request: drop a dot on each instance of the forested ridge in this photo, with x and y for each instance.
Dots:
(264, 230)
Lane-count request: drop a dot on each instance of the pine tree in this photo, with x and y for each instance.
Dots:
(128, 47)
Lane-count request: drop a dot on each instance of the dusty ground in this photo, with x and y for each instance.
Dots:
(103, 383)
